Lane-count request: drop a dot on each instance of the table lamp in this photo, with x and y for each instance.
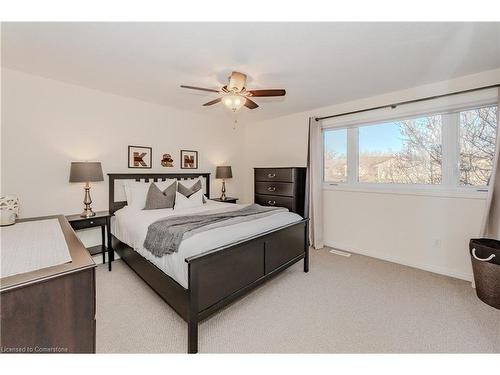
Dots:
(86, 171)
(223, 172)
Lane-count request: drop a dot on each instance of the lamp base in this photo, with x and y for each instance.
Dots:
(223, 195)
(88, 213)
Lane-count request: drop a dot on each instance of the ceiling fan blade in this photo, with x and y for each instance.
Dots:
(250, 104)
(212, 102)
(198, 88)
(270, 92)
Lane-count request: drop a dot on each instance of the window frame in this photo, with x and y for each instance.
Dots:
(450, 132)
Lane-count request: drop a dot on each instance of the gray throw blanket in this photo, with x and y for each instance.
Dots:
(165, 235)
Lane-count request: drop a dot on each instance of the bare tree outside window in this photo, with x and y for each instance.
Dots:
(402, 152)
(478, 128)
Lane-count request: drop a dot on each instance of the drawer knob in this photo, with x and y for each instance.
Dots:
(91, 222)
(271, 203)
(271, 175)
(271, 188)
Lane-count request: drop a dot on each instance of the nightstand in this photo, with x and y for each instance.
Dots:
(228, 200)
(101, 219)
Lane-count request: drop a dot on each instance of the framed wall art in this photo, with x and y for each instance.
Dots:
(189, 159)
(139, 157)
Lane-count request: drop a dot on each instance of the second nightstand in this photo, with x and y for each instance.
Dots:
(101, 219)
(228, 200)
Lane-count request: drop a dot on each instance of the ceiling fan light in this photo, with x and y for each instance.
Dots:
(234, 102)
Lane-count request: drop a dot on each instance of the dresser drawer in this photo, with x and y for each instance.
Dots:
(274, 174)
(272, 200)
(88, 223)
(275, 188)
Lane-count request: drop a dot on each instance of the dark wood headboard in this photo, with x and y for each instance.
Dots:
(147, 177)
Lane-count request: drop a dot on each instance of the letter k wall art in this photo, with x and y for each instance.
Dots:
(139, 157)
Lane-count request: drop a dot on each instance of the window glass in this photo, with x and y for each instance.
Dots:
(335, 155)
(401, 152)
(477, 139)
(410, 151)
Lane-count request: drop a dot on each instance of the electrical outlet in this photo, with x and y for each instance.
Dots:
(436, 244)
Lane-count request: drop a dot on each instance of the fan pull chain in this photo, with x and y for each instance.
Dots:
(235, 121)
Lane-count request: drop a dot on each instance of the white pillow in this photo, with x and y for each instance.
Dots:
(136, 193)
(194, 200)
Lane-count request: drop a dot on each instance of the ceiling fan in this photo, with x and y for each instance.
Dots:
(235, 95)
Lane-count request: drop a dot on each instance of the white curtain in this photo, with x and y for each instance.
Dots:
(315, 177)
(491, 220)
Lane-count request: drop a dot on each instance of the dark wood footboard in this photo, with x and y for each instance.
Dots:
(221, 276)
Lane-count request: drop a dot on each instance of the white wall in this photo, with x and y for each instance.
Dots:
(427, 232)
(47, 124)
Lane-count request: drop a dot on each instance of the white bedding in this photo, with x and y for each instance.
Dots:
(130, 225)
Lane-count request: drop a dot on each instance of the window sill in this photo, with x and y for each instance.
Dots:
(464, 193)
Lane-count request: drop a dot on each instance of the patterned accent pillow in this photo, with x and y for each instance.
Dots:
(157, 199)
(187, 192)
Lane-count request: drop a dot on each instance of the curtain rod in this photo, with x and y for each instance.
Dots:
(394, 105)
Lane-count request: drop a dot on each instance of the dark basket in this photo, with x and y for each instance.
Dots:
(486, 273)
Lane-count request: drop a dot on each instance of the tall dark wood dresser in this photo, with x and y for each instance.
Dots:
(282, 187)
(51, 310)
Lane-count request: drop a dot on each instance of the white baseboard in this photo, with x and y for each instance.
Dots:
(425, 267)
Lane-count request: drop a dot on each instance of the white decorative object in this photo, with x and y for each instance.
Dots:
(9, 209)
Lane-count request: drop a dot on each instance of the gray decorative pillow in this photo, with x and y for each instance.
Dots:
(187, 192)
(157, 199)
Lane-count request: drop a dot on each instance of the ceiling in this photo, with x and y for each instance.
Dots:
(318, 64)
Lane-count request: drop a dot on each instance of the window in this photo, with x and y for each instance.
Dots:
(335, 155)
(449, 150)
(478, 129)
(402, 152)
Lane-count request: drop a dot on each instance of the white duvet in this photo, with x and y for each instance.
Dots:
(130, 225)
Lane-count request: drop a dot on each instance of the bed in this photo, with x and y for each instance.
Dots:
(211, 269)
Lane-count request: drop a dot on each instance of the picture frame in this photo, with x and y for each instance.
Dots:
(189, 159)
(140, 157)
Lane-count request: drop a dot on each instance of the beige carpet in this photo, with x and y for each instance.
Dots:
(343, 305)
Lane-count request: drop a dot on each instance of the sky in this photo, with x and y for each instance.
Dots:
(373, 138)
(383, 137)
